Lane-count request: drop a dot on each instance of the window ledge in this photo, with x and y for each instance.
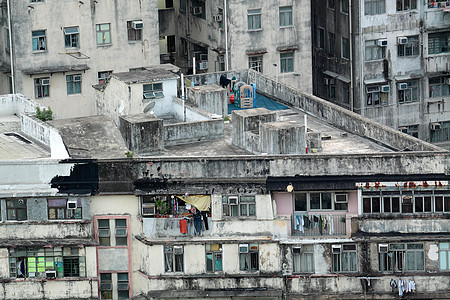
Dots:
(104, 46)
(287, 27)
(40, 52)
(255, 30)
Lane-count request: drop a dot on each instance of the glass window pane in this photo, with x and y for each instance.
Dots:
(314, 201)
(218, 262)
(209, 262)
(443, 260)
(252, 210)
(420, 260)
(326, 200)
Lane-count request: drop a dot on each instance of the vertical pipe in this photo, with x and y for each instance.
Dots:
(351, 51)
(193, 65)
(226, 33)
(11, 52)
(182, 86)
(306, 133)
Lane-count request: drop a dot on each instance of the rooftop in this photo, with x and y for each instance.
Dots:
(143, 76)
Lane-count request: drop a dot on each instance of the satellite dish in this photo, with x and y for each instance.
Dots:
(149, 107)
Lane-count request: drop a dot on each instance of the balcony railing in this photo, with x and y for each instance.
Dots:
(315, 224)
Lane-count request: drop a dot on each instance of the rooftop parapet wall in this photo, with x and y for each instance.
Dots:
(17, 104)
(338, 116)
(191, 132)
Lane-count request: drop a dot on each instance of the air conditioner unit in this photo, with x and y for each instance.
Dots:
(217, 18)
(385, 88)
(202, 65)
(402, 86)
(447, 80)
(45, 81)
(435, 126)
(72, 204)
(401, 40)
(297, 250)
(341, 198)
(382, 42)
(197, 10)
(178, 249)
(76, 77)
(243, 248)
(137, 24)
(336, 249)
(233, 200)
(50, 274)
(148, 210)
(383, 248)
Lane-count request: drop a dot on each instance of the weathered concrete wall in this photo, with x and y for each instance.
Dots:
(338, 116)
(17, 104)
(45, 134)
(403, 224)
(112, 259)
(191, 132)
(111, 57)
(45, 230)
(211, 98)
(142, 133)
(282, 138)
(183, 111)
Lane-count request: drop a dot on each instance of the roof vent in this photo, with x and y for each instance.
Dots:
(326, 137)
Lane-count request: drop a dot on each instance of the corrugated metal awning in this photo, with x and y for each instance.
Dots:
(256, 51)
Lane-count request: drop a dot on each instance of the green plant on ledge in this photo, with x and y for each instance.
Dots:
(44, 114)
(162, 207)
(129, 154)
(226, 118)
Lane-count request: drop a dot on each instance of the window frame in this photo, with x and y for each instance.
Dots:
(105, 34)
(235, 210)
(153, 90)
(106, 281)
(285, 16)
(444, 252)
(410, 49)
(134, 35)
(287, 62)
(321, 38)
(438, 42)
(344, 6)
(16, 207)
(254, 18)
(301, 259)
(61, 212)
(41, 90)
(438, 88)
(402, 6)
(255, 62)
(305, 202)
(103, 76)
(373, 52)
(374, 95)
(379, 5)
(215, 256)
(398, 260)
(249, 261)
(71, 39)
(40, 37)
(173, 263)
(410, 94)
(345, 46)
(74, 86)
(347, 253)
(442, 134)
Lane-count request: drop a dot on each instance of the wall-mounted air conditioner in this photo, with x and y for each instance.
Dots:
(243, 248)
(233, 200)
(383, 248)
(297, 250)
(382, 42)
(217, 18)
(137, 24)
(72, 204)
(336, 249)
(76, 77)
(178, 249)
(402, 86)
(435, 126)
(401, 40)
(50, 274)
(385, 88)
(45, 81)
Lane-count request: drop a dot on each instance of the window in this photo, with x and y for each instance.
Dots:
(121, 232)
(104, 76)
(345, 48)
(73, 84)
(331, 43)
(213, 257)
(406, 4)
(285, 16)
(439, 86)
(406, 202)
(287, 62)
(303, 259)
(55, 262)
(64, 209)
(123, 286)
(400, 257)
(320, 37)
(16, 209)
(248, 257)
(199, 9)
(103, 34)
(183, 5)
(254, 19)
(220, 13)
(374, 7)
(134, 29)
(39, 40)
(331, 4)
(408, 91)
(320, 201)
(71, 37)
(153, 90)
(344, 258)
(42, 87)
(438, 42)
(346, 93)
(173, 259)
(32, 1)
(441, 133)
(375, 96)
(106, 286)
(411, 48)
(239, 206)
(331, 91)
(255, 63)
(412, 130)
(104, 233)
(373, 51)
(344, 6)
(444, 256)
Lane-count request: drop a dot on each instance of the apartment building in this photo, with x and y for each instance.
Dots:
(397, 62)
(57, 60)
(213, 220)
(272, 37)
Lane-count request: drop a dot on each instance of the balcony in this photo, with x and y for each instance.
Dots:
(319, 224)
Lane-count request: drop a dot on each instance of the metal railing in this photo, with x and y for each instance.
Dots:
(317, 224)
